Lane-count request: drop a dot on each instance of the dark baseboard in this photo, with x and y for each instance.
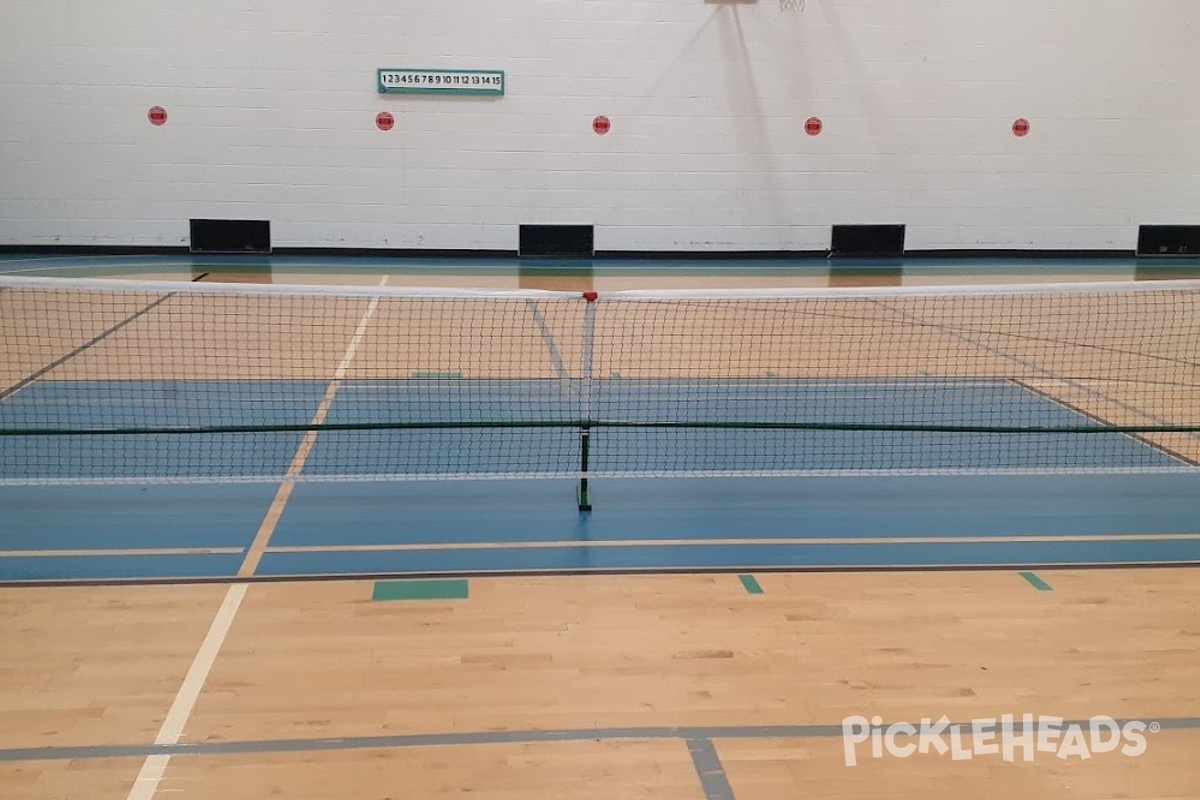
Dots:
(96, 249)
(1043, 255)
(184, 250)
(612, 255)
(391, 252)
(711, 255)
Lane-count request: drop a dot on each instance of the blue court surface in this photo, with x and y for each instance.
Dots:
(65, 533)
(1054, 504)
(802, 521)
(548, 451)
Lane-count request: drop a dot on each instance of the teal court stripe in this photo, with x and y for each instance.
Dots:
(420, 590)
(1036, 582)
(751, 584)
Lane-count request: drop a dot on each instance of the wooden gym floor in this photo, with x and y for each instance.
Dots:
(685, 686)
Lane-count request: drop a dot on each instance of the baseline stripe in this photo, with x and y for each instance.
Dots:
(487, 737)
(873, 541)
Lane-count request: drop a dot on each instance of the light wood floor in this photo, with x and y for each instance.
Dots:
(307, 661)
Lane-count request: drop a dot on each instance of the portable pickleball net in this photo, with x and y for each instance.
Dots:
(125, 382)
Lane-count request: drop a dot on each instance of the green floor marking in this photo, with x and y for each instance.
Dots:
(751, 584)
(1036, 582)
(615, 375)
(420, 590)
(772, 374)
(437, 375)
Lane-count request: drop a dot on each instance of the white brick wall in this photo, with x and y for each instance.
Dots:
(272, 106)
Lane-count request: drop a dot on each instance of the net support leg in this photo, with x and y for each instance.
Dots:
(586, 389)
(584, 494)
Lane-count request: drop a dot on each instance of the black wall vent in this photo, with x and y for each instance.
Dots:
(867, 241)
(230, 236)
(557, 241)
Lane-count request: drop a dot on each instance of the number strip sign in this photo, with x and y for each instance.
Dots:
(441, 81)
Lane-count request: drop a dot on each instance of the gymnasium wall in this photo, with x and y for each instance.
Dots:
(272, 109)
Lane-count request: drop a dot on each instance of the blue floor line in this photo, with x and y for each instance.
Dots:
(466, 739)
(709, 769)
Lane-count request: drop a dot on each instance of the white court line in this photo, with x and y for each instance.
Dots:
(259, 546)
(146, 785)
(153, 768)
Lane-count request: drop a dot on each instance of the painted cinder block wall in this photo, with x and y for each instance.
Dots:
(272, 106)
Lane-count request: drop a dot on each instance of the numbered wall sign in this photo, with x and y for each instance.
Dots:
(441, 81)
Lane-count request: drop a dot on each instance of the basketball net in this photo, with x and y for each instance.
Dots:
(791, 5)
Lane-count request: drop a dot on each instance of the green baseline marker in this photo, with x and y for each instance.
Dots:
(420, 590)
(1036, 582)
(751, 584)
